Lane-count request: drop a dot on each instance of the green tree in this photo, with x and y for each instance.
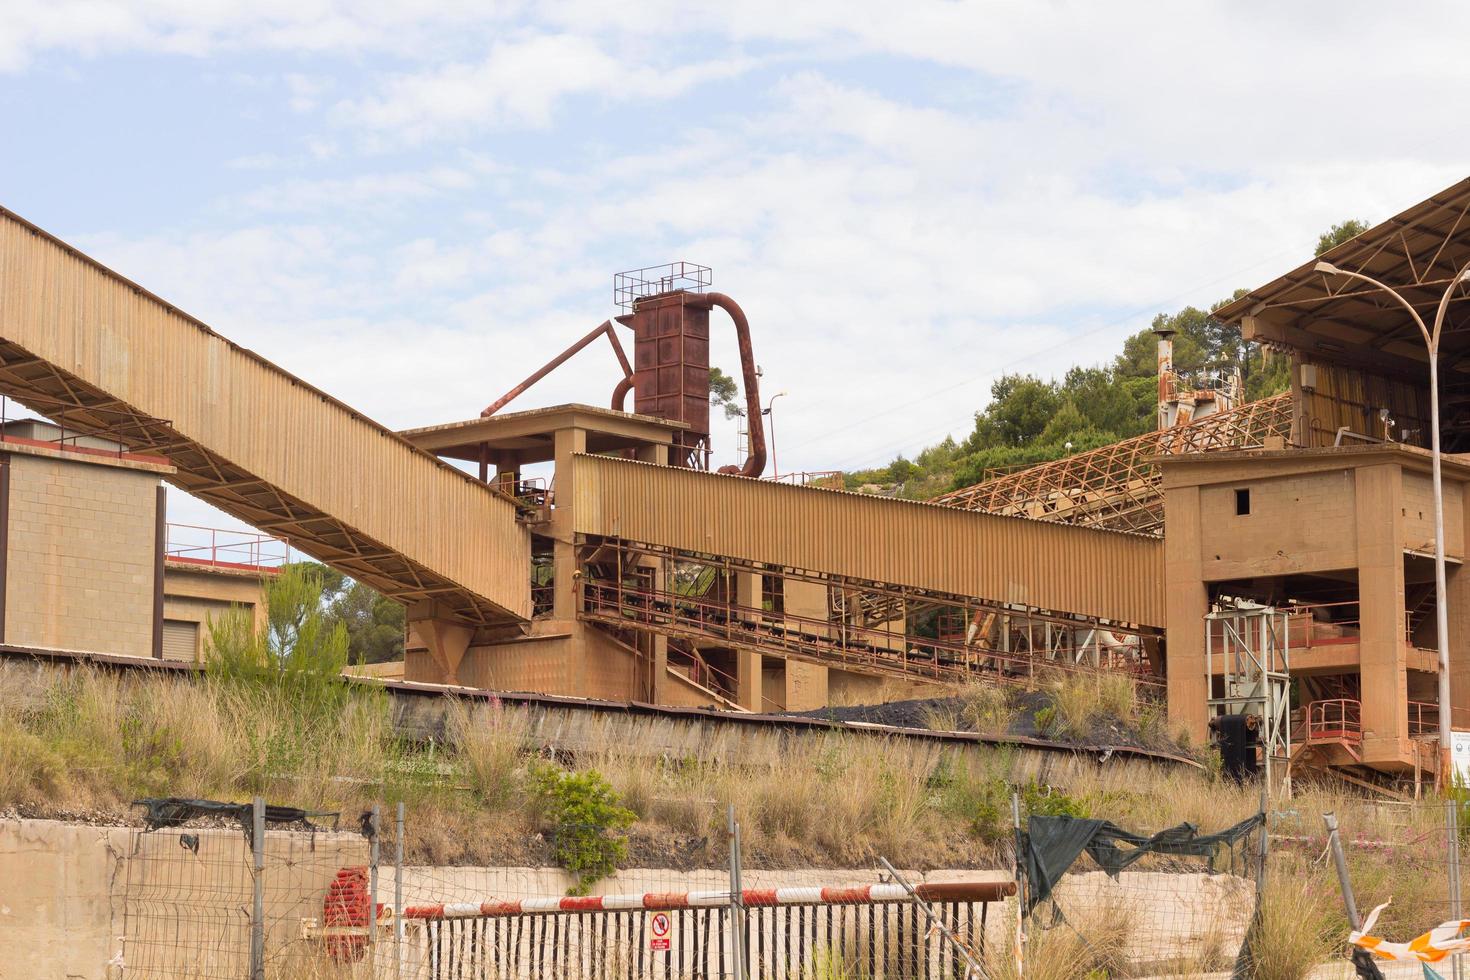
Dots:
(375, 624)
(725, 393)
(1339, 233)
(1020, 406)
(301, 651)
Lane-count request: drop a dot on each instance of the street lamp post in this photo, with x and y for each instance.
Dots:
(1441, 614)
(775, 469)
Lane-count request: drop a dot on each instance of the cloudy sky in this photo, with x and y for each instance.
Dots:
(413, 205)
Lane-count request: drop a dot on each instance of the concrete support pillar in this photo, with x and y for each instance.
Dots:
(1186, 601)
(564, 553)
(1459, 615)
(658, 455)
(748, 681)
(445, 639)
(1379, 517)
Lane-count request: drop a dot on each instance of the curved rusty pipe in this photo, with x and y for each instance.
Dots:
(620, 394)
(755, 463)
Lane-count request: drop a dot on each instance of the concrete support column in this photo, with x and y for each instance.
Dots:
(750, 684)
(748, 681)
(1186, 601)
(1380, 532)
(658, 654)
(657, 454)
(445, 639)
(564, 554)
(1459, 615)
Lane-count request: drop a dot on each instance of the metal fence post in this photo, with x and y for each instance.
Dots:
(1020, 945)
(257, 918)
(375, 820)
(737, 900)
(398, 897)
(1362, 961)
(1265, 849)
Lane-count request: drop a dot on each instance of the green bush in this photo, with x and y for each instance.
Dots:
(1044, 801)
(587, 818)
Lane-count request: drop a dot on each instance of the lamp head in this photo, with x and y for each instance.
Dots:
(1328, 268)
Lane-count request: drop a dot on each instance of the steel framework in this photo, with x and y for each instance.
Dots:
(869, 627)
(1117, 486)
(1248, 642)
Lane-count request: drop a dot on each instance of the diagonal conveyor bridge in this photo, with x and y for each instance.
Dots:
(100, 355)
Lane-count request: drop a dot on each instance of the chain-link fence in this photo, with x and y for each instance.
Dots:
(249, 891)
(256, 892)
(229, 891)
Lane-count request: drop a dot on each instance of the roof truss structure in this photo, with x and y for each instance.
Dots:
(1117, 486)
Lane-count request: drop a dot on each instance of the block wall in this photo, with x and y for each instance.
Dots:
(80, 563)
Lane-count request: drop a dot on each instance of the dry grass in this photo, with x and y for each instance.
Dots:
(1301, 924)
(96, 741)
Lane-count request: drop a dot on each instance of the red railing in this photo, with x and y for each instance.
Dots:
(221, 548)
(626, 605)
(1334, 720)
(1322, 624)
(1423, 719)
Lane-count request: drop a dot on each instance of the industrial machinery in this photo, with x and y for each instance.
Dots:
(667, 309)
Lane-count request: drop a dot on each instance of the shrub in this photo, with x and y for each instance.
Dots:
(587, 819)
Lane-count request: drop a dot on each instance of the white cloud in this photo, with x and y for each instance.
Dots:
(996, 186)
(519, 82)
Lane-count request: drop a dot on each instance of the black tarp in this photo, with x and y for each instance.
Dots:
(175, 811)
(1051, 845)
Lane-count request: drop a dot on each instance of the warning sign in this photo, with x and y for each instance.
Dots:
(660, 925)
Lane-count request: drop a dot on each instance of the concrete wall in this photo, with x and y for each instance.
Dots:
(80, 563)
(1277, 537)
(80, 902)
(83, 902)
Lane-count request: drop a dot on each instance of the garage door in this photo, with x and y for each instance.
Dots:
(180, 639)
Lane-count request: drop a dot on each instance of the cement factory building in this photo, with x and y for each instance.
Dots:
(1269, 560)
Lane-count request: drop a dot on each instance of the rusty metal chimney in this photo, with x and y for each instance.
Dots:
(1165, 369)
(668, 310)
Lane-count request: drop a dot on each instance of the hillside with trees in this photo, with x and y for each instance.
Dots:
(1033, 420)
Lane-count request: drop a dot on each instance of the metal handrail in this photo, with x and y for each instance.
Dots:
(224, 547)
(1335, 719)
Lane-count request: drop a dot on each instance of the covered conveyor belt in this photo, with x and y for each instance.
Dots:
(100, 355)
(1085, 572)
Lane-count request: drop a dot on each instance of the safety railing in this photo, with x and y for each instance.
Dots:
(622, 604)
(826, 479)
(531, 497)
(196, 544)
(1322, 624)
(1423, 719)
(109, 440)
(1334, 720)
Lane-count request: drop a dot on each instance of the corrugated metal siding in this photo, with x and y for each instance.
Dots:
(1352, 397)
(75, 314)
(1052, 566)
(180, 640)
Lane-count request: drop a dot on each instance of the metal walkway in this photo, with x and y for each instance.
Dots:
(98, 354)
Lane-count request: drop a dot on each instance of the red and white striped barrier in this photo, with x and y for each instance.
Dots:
(952, 891)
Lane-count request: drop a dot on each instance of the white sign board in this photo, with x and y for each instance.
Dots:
(1460, 754)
